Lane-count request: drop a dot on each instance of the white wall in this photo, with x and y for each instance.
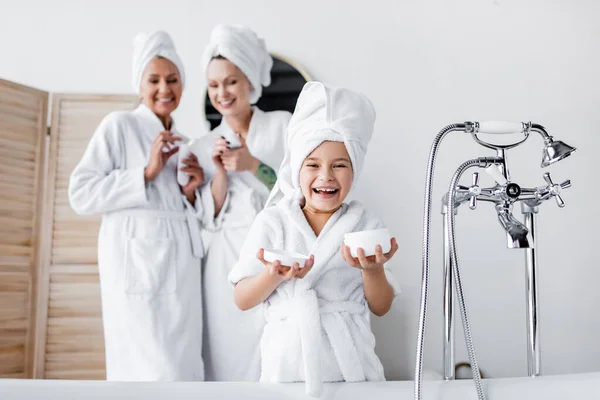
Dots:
(424, 64)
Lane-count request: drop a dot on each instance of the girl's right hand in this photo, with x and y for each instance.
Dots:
(285, 273)
(158, 157)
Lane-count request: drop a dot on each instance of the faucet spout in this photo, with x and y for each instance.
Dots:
(517, 234)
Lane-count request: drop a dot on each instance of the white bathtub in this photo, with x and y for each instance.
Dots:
(559, 387)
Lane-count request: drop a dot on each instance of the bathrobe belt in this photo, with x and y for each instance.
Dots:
(192, 222)
(310, 314)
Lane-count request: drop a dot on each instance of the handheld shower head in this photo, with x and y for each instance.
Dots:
(555, 151)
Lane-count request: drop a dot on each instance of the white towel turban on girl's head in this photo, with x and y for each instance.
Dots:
(245, 50)
(323, 113)
(146, 47)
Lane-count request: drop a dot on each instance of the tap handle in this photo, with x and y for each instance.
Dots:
(475, 178)
(473, 203)
(474, 191)
(548, 179)
(555, 189)
(566, 184)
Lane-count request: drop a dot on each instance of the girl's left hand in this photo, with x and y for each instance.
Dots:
(196, 173)
(371, 263)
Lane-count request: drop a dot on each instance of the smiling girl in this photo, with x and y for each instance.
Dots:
(318, 314)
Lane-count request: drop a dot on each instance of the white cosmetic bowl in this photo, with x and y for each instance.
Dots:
(368, 240)
(286, 259)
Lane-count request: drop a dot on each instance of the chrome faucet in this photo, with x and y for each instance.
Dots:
(520, 235)
(506, 193)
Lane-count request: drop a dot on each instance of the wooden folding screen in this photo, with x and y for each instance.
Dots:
(50, 314)
(23, 130)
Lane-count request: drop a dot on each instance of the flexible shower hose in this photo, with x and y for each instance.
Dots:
(457, 281)
(425, 252)
(425, 264)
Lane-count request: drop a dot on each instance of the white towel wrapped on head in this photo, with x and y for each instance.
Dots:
(145, 48)
(240, 45)
(323, 113)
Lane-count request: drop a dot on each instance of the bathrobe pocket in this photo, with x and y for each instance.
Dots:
(150, 267)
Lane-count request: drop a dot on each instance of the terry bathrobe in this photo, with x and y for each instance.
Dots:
(231, 351)
(149, 246)
(231, 337)
(318, 327)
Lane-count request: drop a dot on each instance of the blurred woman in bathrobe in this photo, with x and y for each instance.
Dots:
(149, 244)
(239, 158)
(318, 314)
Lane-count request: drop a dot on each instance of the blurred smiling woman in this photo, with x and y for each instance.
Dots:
(149, 244)
(240, 158)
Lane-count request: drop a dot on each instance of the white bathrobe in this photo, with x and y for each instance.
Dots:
(149, 253)
(318, 327)
(231, 337)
